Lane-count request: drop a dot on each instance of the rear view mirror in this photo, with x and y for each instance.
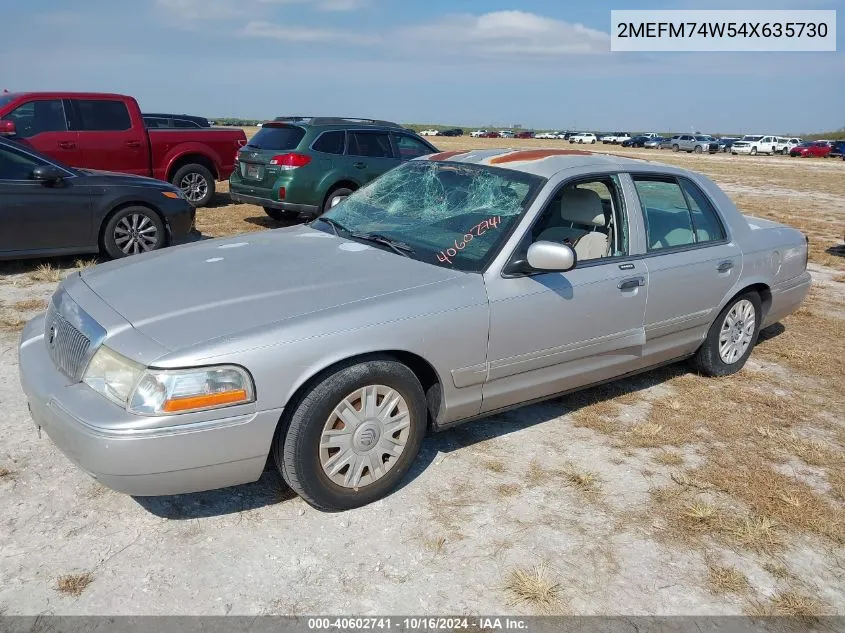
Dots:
(47, 174)
(7, 128)
(551, 256)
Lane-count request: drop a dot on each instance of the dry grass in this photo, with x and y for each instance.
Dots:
(495, 465)
(30, 305)
(777, 570)
(793, 604)
(5, 473)
(669, 458)
(74, 584)
(47, 273)
(534, 587)
(11, 321)
(436, 544)
(585, 481)
(727, 580)
(508, 490)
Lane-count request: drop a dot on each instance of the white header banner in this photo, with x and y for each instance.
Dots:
(705, 30)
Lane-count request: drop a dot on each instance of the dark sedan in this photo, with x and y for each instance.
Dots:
(47, 208)
(636, 141)
(453, 132)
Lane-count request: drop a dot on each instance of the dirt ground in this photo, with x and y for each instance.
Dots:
(664, 494)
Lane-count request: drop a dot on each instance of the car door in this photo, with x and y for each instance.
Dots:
(554, 331)
(108, 140)
(692, 264)
(43, 124)
(371, 153)
(40, 216)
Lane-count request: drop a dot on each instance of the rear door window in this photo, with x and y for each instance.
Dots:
(284, 137)
(36, 117)
(332, 142)
(370, 144)
(102, 115)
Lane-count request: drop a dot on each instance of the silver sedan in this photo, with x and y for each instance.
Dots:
(453, 287)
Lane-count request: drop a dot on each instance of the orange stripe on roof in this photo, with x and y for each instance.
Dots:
(536, 154)
(447, 155)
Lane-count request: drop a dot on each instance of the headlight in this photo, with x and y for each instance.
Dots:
(112, 375)
(163, 392)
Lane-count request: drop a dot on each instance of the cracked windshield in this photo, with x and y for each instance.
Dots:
(449, 214)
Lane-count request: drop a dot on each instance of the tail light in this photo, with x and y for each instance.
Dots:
(7, 128)
(290, 161)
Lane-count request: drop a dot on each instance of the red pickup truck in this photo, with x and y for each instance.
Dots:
(107, 132)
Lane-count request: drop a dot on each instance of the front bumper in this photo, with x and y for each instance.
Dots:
(99, 436)
(740, 150)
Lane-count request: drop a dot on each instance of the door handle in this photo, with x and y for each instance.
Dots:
(359, 165)
(67, 145)
(133, 143)
(725, 266)
(630, 284)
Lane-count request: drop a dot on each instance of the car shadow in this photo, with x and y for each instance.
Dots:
(838, 250)
(266, 222)
(271, 489)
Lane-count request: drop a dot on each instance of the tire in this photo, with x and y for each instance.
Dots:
(753, 151)
(340, 192)
(676, 148)
(593, 142)
(698, 149)
(133, 230)
(280, 215)
(785, 151)
(708, 359)
(196, 182)
(299, 452)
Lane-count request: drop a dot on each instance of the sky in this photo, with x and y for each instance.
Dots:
(536, 63)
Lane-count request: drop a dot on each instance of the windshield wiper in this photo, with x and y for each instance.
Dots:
(336, 226)
(398, 247)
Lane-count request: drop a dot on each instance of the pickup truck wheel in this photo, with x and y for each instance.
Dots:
(196, 182)
(676, 147)
(335, 197)
(753, 151)
(354, 436)
(133, 230)
(281, 215)
(731, 337)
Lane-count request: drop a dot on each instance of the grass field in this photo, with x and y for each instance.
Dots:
(676, 492)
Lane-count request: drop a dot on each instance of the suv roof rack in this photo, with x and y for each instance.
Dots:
(322, 120)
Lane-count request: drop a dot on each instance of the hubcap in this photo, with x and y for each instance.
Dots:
(136, 233)
(364, 436)
(194, 186)
(737, 330)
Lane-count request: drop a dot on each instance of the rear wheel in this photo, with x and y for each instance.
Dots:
(676, 147)
(354, 436)
(335, 197)
(132, 231)
(281, 215)
(698, 149)
(196, 182)
(731, 337)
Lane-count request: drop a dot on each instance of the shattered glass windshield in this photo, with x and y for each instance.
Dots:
(454, 215)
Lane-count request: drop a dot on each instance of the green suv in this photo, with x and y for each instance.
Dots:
(307, 165)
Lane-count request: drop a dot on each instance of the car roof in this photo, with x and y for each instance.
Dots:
(66, 95)
(541, 162)
(321, 121)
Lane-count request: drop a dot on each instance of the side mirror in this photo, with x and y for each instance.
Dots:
(47, 174)
(7, 128)
(551, 256)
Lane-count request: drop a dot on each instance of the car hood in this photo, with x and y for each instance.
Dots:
(97, 177)
(191, 294)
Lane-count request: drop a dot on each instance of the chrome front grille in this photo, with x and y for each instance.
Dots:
(71, 336)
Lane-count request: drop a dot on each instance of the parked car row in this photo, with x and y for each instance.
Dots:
(109, 132)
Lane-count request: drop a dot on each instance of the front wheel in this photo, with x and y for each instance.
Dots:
(132, 231)
(196, 182)
(354, 435)
(731, 337)
(698, 149)
(753, 151)
(676, 148)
